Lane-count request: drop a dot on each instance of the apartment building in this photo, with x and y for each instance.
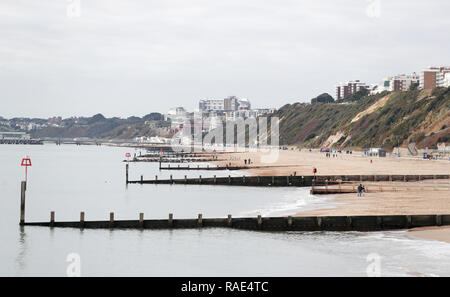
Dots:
(231, 103)
(211, 105)
(433, 77)
(401, 82)
(344, 90)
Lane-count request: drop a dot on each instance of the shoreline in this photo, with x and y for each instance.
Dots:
(398, 198)
(441, 234)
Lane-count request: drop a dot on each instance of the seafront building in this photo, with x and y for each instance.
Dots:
(231, 103)
(344, 90)
(433, 77)
(401, 82)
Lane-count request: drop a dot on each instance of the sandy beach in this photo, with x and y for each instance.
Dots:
(303, 162)
(383, 198)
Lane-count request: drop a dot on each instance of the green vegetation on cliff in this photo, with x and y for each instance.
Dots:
(382, 120)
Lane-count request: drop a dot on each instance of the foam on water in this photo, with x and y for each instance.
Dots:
(291, 203)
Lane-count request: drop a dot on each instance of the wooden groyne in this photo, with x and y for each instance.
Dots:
(286, 181)
(22, 141)
(316, 223)
(329, 223)
(203, 168)
(173, 160)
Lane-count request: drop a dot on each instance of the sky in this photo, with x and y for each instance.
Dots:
(123, 58)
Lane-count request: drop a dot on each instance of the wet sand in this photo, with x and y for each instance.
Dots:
(431, 233)
(392, 198)
(413, 198)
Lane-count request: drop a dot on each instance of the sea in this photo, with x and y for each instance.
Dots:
(68, 179)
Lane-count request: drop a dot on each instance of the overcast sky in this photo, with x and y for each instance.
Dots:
(124, 58)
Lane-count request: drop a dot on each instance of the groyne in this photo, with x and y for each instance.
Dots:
(329, 223)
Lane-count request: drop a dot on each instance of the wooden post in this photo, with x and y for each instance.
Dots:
(259, 221)
(142, 179)
(185, 179)
(23, 188)
(259, 180)
(243, 179)
(200, 220)
(200, 179)
(408, 222)
(215, 180)
(141, 220)
(171, 179)
(52, 219)
(127, 167)
(156, 179)
(229, 179)
(111, 220)
(349, 222)
(82, 219)
(170, 220)
(230, 221)
(289, 222)
(319, 222)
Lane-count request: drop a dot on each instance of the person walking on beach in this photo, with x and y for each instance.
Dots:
(245, 161)
(360, 190)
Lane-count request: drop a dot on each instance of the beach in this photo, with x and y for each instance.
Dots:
(292, 161)
(382, 198)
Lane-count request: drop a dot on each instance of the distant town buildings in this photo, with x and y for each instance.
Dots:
(344, 90)
(429, 78)
(401, 82)
(433, 77)
(231, 103)
(14, 136)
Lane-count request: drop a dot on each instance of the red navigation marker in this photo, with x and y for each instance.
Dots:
(128, 156)
(26, 162)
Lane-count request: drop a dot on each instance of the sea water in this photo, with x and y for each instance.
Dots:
(69, 179)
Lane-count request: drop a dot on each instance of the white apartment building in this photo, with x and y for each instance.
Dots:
(211, 105)
(433, 77)
(401, 82)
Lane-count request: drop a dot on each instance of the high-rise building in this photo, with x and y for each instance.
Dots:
(433, 77)
(231, 103)
(344, 90)
(211, 105)
(402, 82)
